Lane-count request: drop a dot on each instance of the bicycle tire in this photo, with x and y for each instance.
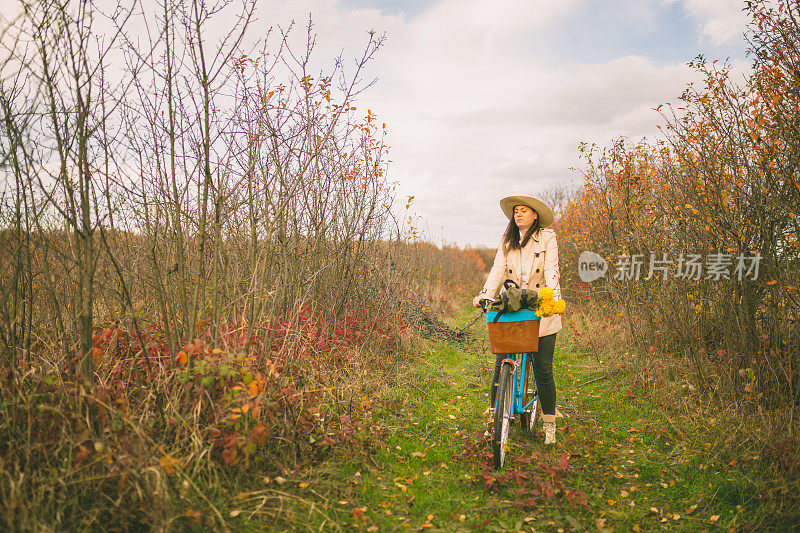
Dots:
(527, 419)
(502, 416)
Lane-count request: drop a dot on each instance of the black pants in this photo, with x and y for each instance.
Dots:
(543, 363)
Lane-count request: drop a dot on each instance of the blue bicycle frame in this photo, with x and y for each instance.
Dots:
(519, 383)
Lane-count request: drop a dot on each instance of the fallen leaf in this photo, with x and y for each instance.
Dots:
(611, 502)
(714, 518)
(168, 463)
(235, 513)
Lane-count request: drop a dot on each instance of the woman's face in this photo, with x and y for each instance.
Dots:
(524, 217)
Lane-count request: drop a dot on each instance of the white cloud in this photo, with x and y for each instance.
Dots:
(473, 119)
(722, 21)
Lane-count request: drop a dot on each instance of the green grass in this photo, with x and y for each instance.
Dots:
(642, 465)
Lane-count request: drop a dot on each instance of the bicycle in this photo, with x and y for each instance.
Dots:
(513, 334)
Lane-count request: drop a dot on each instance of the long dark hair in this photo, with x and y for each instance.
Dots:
(511, 238)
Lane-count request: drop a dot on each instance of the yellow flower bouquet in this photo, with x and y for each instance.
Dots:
(548, 306)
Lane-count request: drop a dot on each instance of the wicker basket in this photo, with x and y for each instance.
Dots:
(514, 332)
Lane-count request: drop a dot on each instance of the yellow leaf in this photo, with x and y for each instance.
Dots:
(235, 513)
(714, 518)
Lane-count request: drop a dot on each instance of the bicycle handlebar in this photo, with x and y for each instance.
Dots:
(485, 303)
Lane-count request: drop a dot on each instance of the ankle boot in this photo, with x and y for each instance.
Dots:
(549, 429)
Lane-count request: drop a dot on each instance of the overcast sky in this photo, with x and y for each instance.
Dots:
(486, 99)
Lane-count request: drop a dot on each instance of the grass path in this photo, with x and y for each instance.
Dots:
(634, 468)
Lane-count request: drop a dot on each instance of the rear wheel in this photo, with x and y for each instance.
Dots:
(528, 418)
(502, 416)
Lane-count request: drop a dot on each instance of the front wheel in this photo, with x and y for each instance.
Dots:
(502, 416)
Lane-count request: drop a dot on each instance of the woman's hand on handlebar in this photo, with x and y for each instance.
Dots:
(482, 301)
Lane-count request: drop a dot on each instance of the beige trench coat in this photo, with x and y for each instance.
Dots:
(543, 271)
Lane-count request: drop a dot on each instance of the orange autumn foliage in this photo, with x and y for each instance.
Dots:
(720, 180)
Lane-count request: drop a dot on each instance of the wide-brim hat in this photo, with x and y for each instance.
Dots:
(546, 216)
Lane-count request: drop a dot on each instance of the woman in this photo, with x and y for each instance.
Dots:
(528, 255)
